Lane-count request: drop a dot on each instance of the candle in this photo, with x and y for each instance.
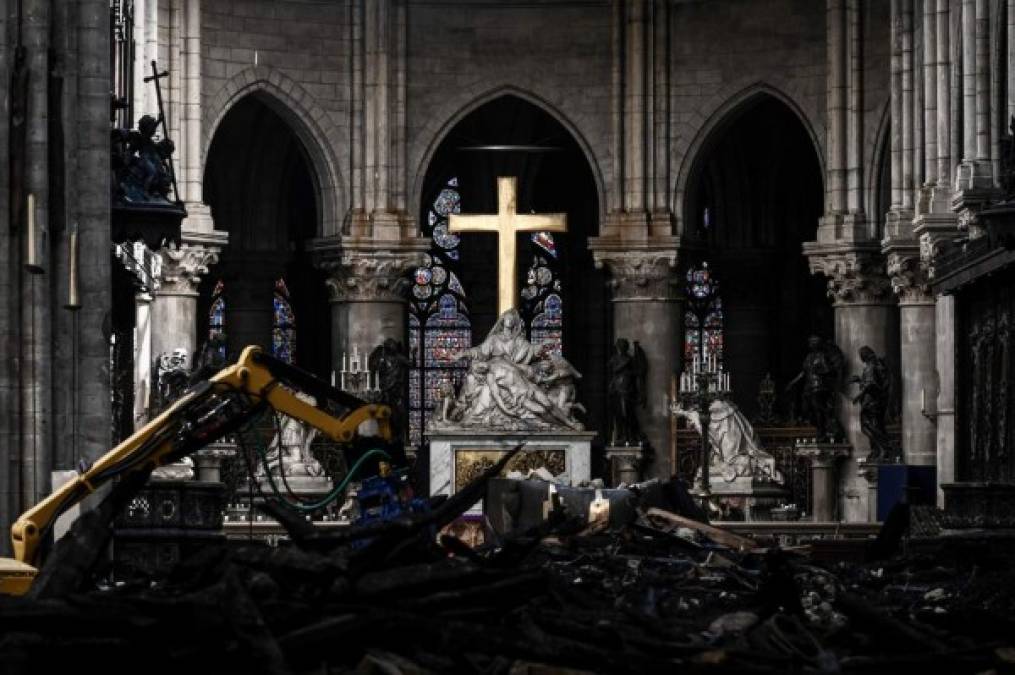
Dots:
(343, 380)
(345, 364)
(333, 378)
(923, 400)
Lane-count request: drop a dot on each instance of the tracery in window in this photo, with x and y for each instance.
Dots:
(703, 318)
(439, 324)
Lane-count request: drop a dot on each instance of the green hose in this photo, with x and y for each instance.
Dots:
(331, 496)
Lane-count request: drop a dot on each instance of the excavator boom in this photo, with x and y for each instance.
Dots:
(203, 414)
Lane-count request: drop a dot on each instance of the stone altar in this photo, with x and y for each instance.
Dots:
(513, 394)
(456, 457)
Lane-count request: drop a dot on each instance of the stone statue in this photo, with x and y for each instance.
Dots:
(560, 378)
(821, 374)
(172, 377)
(626, 391)
(875, 395)
(735, 449)
(171, 380)
(141, 164)
(289, 450)
(391, 364)
(511, 385)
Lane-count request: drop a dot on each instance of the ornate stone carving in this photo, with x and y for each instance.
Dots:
(854, 276)
(184, 265)
(362, 276)
(933, 244)
(511, 385)
(909, 278)
(640, 274)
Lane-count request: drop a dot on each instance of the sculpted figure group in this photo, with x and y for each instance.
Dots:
(511, 384)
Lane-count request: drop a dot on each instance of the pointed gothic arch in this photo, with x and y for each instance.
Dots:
(307, 119)
(437, 133)
(718, 112)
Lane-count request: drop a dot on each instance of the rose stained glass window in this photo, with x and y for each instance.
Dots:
(439, 324)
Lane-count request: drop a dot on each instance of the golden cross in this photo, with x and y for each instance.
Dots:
(506, 222)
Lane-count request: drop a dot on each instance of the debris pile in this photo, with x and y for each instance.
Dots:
(662, 593)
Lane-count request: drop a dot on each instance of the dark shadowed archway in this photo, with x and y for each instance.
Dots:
(753, 197)
(262, 189)
(561, 295)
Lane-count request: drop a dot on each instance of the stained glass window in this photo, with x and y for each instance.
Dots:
(283, 329)
(542, 305)
(703, 318)
(217, 320)
(439, 323)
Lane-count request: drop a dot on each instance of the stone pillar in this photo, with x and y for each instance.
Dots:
(868, 473)
(174, 312)
(945, 412)
(142, 356)
(647, 308)
(916, 355)
(366, 285)
(864, 315)
(838, 84)
(930, 111)
(944, 103)
(908, 137)
(824, 459)
(975, 174)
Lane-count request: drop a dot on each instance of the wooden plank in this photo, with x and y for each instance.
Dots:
(723, 537)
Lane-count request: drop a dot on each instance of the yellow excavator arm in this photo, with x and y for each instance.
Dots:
(202, 415)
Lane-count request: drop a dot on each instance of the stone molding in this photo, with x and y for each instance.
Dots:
(183, 266)
(856, 276)
(908, 276)
(640, 274)
(935, 234)
(371, 273)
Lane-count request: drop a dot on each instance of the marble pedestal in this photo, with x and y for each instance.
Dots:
(457, 457)
(755, 498)
(623, 462)
(824, 459)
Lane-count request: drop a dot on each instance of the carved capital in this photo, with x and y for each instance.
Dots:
(184, 265)
(855, 276)
(640, 274)
(909, 277)
(370, 276)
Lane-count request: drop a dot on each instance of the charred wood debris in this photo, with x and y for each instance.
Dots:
(663, 593)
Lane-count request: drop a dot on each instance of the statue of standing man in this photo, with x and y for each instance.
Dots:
(821, 374)
(391, 364)
(874, 398)
(626, 391)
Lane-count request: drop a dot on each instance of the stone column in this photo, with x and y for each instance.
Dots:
(198, 214)
(975, 174)
(916, 355)
(838, 50)
(824, 459)
(174, 311)
(367, 284)
(945, 411)
(142, 356)
(647, 308)
(930, 111)
(864, 315)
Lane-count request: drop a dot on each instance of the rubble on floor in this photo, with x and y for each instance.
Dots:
(663, 593)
